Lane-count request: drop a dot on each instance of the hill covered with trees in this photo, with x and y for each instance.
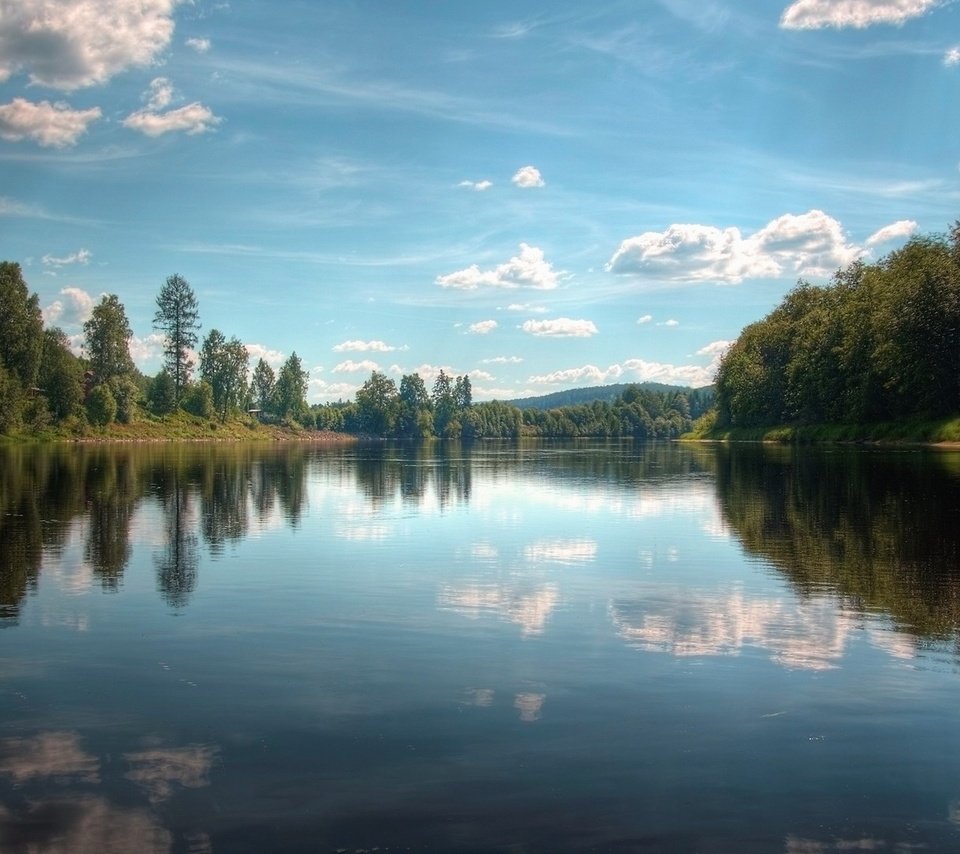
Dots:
(880, 343)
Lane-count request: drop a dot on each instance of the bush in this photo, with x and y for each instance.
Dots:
(101, 406)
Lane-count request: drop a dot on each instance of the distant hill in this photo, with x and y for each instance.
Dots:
(607, 393)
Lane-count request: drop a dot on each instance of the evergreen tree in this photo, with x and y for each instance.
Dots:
(107, 334)
(263, 386)
(177, 318)
(291, 389)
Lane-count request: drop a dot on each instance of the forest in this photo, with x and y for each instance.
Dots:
(880, 343)
(46, 389)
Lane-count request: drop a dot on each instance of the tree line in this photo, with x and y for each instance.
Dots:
(43, 383)
(881, 342)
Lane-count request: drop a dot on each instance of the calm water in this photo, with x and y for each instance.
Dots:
(551, 647)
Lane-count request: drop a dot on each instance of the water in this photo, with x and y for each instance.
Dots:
(544, 647)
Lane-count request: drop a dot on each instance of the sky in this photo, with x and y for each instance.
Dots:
(540, 195)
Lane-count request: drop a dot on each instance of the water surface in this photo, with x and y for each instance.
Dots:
(534, 647)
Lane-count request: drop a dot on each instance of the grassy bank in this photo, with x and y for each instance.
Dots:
(917, 431)
(178, 427)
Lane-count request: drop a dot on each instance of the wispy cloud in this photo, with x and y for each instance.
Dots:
(350, 367)
(197, 44)
(895, 231)
(192, 118)
(357, 346)
(477, 186)
(483, 327)
(81, 256)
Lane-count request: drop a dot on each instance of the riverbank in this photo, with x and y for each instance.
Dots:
(944, 431)
(179, 427)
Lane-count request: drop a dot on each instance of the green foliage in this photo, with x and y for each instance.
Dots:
(21, 326)
(162, 396)
(415, 418)
(127, 395)
(881, 343)
(61, 376)
(378, 404)
(177, 318)
(223, 364)
(198, 400)
(290, 392)
(101, 405)
(107, 333)
(262, 386)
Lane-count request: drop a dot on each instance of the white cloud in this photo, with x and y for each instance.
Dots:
(644, 319)
(363, 347)
(145, 351)
(199, 45)
(484, 327)
(74, 307)
(160, 94)
(502, 360)
(715, 348)
(901, 228)
(817, 14)
(952, 57)
(633, 370)
(69, 44)
(671, 323)
(320, 391)
(812, 244)
(528, 177)
(51, 125)
(274, 358)
(560, 327)
(81, 256)
(193, 118)
(529, 269)
(350, 367)
(478, 186)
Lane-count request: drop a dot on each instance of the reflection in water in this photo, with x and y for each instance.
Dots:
(529, 705)
(51, 754)
(179, 559)
(516, 602)
(158, 770)
(880, 530)
(810, 635)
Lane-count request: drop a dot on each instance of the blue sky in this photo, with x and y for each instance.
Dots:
(542, 195)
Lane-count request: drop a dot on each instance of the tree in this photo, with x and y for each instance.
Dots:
(21, 326)
(223, 364)
(463, 393)
(161, 397)
(291, 388)
(178, 319)
(101, 405)
(377, 402)
(61, 376)
(444, 405)
(108, 335)
(263, 386)
(414, 420)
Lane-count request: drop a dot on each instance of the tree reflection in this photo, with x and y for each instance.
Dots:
(882, 530)
(177, 563)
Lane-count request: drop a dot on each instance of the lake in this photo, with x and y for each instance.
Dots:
(583, 646)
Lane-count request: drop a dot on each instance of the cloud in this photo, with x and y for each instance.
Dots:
(193, 118)
(81, 256)
(527, 308)
(199, 45)
(528, 178)
(671, 323)
(952, 57)
(50, 125)
(321, 391)
(484, 327)
(645, 319)
(529, 269)
(502, 360)
(147, 350)
(350, 367)
(640, 370)
(817, 14)
(70, 44)
(560, 327)
(363, 347)
(73, 309)
(160, 94)
(901, 228)
(715, 348)
(812, 244)
(271, 357)
(478, 186)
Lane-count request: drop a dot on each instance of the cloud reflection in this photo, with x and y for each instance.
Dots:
(561, 551)
(158, 770)
(50, 754)
(809, 635)
(529, 609)
(529, 705)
